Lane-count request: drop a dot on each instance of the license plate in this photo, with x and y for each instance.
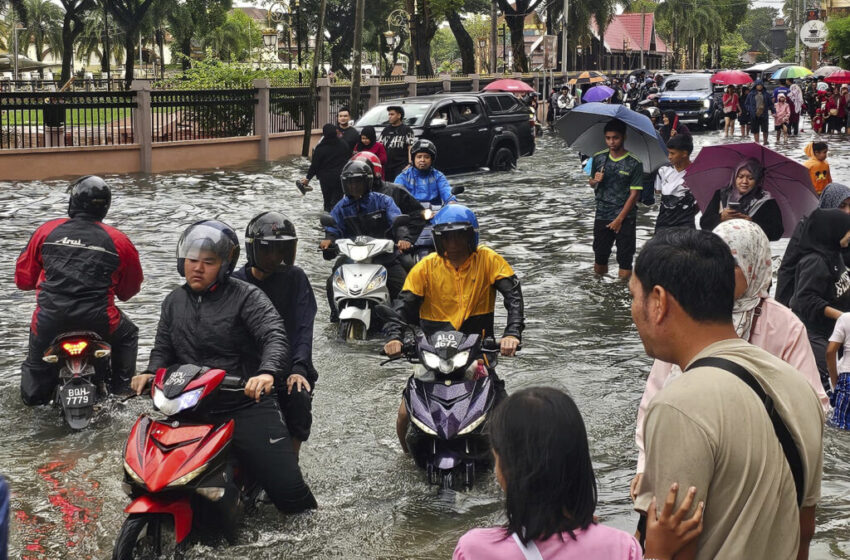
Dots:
(77, 395)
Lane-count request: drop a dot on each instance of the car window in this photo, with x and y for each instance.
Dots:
(508, 102)
(414, 114)
(444, 112)
(493, 104)
(687, 83)
(465, 112)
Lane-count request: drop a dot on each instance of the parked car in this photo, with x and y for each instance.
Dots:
(471, 130)
(765, 72)
(694, 98)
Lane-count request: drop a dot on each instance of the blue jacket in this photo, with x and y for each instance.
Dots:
(372, 203)
(431, 186)
(750, 103)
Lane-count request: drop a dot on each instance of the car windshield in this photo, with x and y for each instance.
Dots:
(414, 114)
(687, 83)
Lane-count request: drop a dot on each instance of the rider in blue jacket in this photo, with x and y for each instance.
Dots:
(424, 182)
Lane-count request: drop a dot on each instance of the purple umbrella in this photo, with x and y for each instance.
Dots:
(597, 94)
(788, 181)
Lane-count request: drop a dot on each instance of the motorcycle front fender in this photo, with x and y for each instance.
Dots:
(357, 314)
(179, 508)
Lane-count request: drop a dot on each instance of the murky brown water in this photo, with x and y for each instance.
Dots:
(374, 503)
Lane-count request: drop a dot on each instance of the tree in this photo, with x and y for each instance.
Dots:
(190, 20)
(578, 22)
(731, 49)
(320, 37)
(92, 41)
(755, 28)
(43, 27)
(236, 38)
(515, 18)
(72, 26)
(129, 15)
(839, 39)
(445, 51)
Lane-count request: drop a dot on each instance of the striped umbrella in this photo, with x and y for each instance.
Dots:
(588, 77)
(791, 73)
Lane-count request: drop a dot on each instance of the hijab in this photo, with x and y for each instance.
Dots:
(796, 95)
(753, 200)
(833, 195)
(751, 250)
(369, 132)
(822, 233)
(665, 130)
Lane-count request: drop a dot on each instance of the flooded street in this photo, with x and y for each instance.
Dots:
(373, 502)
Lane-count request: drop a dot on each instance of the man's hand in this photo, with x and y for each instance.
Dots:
(138, 382)
(297, 381)
(259, 385)
(509, 345)
(615, 225)
(597, 178)
(668, 534)
(404, 245)
(325, 244)
(392, 348)
(634, 486)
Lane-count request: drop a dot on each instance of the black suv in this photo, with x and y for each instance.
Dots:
(471, 130)
(694, 99)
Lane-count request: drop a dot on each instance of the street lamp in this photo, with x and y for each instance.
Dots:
(278, 13)
(400, 20)
(482, 53)
(270, 41)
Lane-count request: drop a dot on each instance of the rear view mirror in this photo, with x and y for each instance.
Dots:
(438, 122)
(327, 220)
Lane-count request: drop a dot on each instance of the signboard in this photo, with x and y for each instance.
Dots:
(550, 51)
(813, 34)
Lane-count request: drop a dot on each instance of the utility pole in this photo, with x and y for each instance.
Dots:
(15, 42)
(493, 17)
(106, 51)
(642, 31)
(358, 57)
(564, 50)
(796, 31)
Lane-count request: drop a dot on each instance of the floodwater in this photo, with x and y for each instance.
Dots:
(373, 502)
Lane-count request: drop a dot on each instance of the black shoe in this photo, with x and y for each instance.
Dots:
(303, 186)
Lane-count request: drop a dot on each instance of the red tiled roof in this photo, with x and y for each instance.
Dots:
(627, 26)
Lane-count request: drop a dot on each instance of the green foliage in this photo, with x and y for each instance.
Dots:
(212, 73)
(755, 28)
(236, 39)
(445, 51)
(838, 30)
(642, 7)
(731, 49)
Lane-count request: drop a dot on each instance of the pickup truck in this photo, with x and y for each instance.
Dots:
(470, 130)
(694, 99)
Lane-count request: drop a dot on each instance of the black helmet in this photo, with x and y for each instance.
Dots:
(210, 236)
(269, 240)
(423, 145)
(356, 178)
(90, 195)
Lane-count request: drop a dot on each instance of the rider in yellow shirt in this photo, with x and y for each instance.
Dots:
(455, 289)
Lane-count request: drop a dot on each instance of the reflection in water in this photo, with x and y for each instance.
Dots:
(373, 502)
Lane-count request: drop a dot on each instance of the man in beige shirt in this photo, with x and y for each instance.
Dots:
(707, 428)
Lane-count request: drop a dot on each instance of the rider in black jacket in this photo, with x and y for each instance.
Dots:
(220, 322)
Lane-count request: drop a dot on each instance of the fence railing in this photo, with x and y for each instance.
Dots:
(392, 91)
(340, 96)
(56, 119)
(194, 115)
(37, 84)
(288, 109)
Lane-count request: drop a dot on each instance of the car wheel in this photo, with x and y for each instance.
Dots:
(503, 160)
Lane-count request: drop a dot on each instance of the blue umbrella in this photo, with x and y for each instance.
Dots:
(597, 93)
(583, 129)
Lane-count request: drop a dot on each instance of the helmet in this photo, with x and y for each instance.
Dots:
(426, 146)
(356, 178)
(372, 160)
(90, 195)
(210, 236)
(269, 240)
(455, 217)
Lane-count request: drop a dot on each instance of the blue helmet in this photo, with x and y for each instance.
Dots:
(455, 217)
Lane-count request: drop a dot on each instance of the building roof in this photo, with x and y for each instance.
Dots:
(625, 29)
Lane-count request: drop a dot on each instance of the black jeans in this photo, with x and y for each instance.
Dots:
(298, 411)
(39, 379)
(262, 445)
(604, 239)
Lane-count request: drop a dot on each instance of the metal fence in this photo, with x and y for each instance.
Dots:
(288, 109)
(429, 87)
(461, 85)
(54, 119)
(193, 115)
(37, 84)
(393, 91)
(340, 96)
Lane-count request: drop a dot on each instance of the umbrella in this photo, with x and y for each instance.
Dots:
(791, 72)
(597, 93)
(825, 71)
(583, 127)
(588, 77)
(508, 85)
(838, 77)
(731, 77)
(788, 181)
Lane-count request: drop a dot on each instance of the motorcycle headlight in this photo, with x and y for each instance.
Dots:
(446, 366)
(706, 103)
(432, 361)
(187, 478)
(339, 280)
(422, 426)
(460, 359)
(379, 280)
(472, 426)
(136, 478)
(359, 253)
(170, 407)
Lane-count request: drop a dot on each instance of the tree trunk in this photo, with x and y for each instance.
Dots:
(464, 42)
(314, 74)
(67, 48)
(516, 23)
(160, 41)
(129, 56)
(357, 55)
(186, 49)
(422, 30)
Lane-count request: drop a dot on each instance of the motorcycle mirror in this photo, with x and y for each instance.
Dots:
(458, 190)
(388, 315)
(327, 220)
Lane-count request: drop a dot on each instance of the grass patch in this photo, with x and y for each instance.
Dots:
(73, 117)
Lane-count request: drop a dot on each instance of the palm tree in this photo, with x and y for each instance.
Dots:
(91, 41)
(44, 27)
(578, 23)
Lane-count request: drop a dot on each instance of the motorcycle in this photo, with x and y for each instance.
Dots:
(424, 245)
(178, 469)
(361, 284)
(81, 377)
(448, 399)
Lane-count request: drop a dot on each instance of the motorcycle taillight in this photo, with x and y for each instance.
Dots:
(75, 348)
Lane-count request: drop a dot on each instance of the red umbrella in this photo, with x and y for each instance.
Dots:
(508, 85)
(731, 77)
(838, 77)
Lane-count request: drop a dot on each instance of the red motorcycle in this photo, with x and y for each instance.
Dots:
(178, 470)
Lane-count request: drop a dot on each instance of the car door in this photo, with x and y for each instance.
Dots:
(442, 137)
(470, 134)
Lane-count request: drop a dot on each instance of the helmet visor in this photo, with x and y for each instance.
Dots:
(271, 253)
(356, 187)
(203, 242)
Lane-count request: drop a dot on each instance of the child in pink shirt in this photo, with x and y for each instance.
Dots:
(542, 462)
(781, 117)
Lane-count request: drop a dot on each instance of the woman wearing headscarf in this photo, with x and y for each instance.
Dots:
(757, 317)
(745, 199)
(835, 195)
(369, 143)
(821, 281)
(795, 98)
(329, 157)
(672, 126)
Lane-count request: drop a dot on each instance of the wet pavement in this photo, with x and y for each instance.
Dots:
(373, 502)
